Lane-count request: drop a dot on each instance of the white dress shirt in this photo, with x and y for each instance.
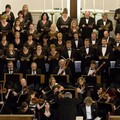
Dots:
(88, 112)
(60, 70)
(104, 50)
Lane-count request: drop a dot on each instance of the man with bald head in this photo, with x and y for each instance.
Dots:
(87, 24)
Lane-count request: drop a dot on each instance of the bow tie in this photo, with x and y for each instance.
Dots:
(69, 49)
(104, 46)
(86, 47)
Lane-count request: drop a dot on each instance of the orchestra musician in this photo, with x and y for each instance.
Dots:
(62, 69)
(81, 88)
(104, 24)
(24, 109)
(91, 71)
(34, 70)
(47, 113)
(48, 90)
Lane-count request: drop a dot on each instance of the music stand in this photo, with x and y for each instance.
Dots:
(11, 79)
(35, 80)
(105, 106)
(61, 79)
(114, 75)
(91, 81)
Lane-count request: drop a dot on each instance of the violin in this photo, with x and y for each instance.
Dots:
(38, 100)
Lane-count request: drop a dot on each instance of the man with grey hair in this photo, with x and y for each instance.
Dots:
(67, 109)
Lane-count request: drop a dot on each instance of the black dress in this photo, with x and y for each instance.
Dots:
(66, 26)
(40, 60)
(44, 117)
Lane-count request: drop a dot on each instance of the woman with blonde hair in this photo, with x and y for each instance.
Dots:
(74, 28)
(27, 16)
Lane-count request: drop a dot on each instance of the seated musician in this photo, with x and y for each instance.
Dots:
(81, 88)
(34, 70)
(91, 71)
(88, 109)
(24, 90)
(103, 95)
(24, 109)
(62, 69)
(47, 91)
(47, 113)
(10, 68)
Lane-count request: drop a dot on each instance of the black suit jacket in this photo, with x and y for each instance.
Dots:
(38, 71)
(67, 71)
(83, 53)
(80, 44)
(82, 111)
(15, 70)
(99, 23)
(86, 31)
(67, 108)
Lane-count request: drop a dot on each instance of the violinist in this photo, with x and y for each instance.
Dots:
(24, 109)
(35, 104)
(81, 88)
(24, 90)
(48, 90)
(103, 95)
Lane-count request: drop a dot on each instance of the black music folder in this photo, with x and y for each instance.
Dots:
(11, 79)
(114, 75)
(91, 81)
(61, 79)
(35, 81)
(105, 106)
